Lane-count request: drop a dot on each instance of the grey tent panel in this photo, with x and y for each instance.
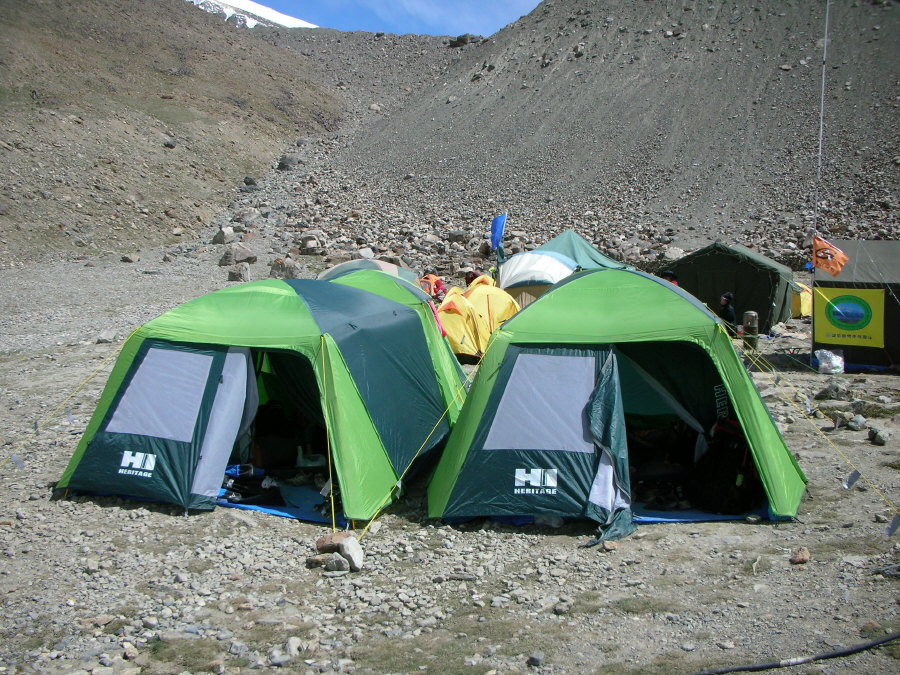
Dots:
(543, 405)
(164, 397)
(224, 422)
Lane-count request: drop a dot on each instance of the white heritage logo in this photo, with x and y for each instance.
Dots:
(137, 464)
(535, 482)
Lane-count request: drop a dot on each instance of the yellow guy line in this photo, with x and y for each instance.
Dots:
(456, 396)
(767, 368)
(322, 347)
(41, 423)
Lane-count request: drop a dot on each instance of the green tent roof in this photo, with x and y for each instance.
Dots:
(576, 247)
(640, 314)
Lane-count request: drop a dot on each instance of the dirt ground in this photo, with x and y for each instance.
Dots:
(115, 143)
(101, 585)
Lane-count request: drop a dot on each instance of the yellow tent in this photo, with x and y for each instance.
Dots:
(469, 317)
(466, 329)
(492, 302)
(801, 302)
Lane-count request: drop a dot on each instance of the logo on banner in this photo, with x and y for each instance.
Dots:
(137, 464)
(848, 312)
(849, 316)
(535, 482)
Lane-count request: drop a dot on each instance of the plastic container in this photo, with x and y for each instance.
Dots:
(751, 329)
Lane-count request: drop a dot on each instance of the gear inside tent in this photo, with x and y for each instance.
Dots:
(309, 397)
(616, 396)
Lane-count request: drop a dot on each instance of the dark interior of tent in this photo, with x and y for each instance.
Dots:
(686, 449)
(280, 459)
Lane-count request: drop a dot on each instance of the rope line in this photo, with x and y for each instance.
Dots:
(41, 423)
(327, 435)
(821, 119)
(456, 396)
(757, 359)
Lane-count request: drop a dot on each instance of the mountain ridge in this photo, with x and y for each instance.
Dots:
(650, 128)
(725, 143)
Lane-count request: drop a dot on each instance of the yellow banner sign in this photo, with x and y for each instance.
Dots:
(849, 316)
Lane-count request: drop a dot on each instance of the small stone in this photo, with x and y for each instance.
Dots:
(237, 253)
(536, 660)
(857, 423)
(224, 235)
(800, 556)
(277, 657)
(319, 560)
(294, 646)
(329, 543)
(239, 272)
(285, 268)
(350, 549)
(337, 563)
(879, 437)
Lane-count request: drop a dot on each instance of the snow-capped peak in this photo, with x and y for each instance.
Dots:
(251, 12)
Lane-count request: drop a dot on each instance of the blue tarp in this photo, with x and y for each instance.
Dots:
(301, 503)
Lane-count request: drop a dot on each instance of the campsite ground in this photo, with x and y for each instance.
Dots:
(106, 586)
(96, 164)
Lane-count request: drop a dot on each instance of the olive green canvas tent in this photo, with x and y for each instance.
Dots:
(556, 420)
(759, 284)
(857, 312)
(185, 390)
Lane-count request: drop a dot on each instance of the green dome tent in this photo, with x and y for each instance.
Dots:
(579, 249)
(406, 293)
(570, 386)
(186, 388)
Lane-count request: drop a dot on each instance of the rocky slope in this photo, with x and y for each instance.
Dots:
(129, 124)
(105, 586)
(644, 124)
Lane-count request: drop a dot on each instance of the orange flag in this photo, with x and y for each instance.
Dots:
(828, 257)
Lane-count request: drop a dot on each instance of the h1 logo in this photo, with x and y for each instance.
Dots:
(137, 463)
(536, 477)
(536, 481)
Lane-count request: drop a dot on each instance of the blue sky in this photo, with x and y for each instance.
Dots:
(424, 17)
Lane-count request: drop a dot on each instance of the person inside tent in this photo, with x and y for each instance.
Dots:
(434, 286)
(726, 311)
(669, 276)
(471, 276)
